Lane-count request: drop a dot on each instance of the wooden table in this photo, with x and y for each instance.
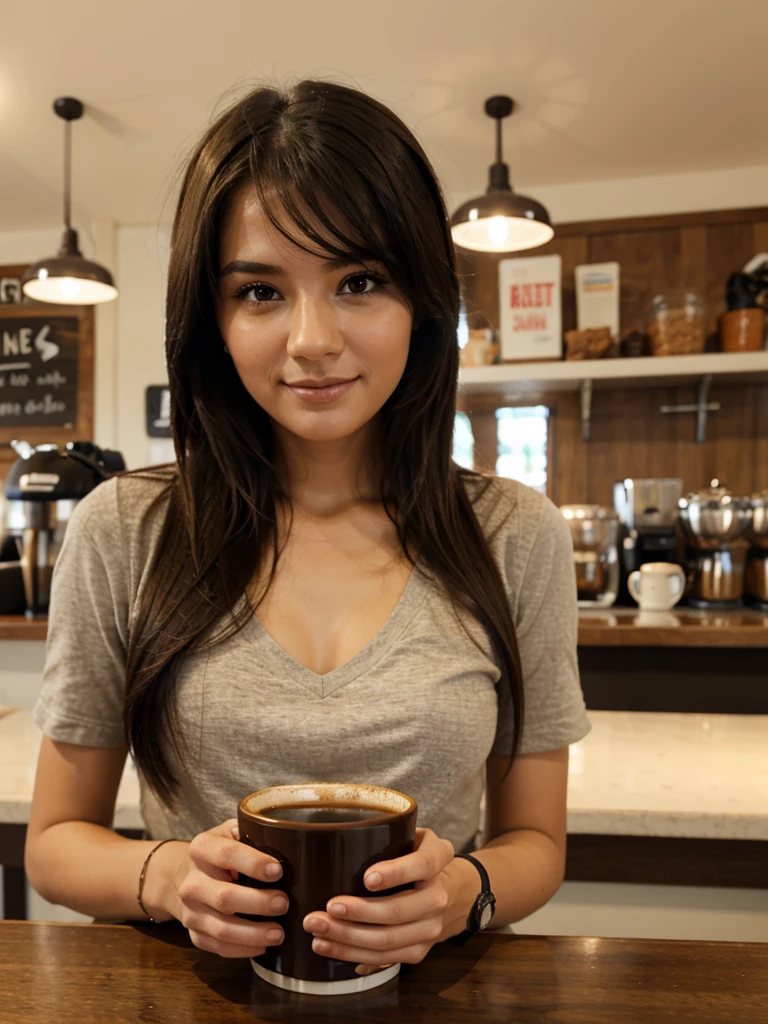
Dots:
(121, 974)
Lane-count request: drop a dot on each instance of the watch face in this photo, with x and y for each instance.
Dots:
(486, 910)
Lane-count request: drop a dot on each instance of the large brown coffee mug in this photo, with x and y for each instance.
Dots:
(323, 854)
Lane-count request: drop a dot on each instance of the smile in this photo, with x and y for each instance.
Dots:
(321, 393)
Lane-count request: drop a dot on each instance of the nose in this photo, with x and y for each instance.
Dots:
(314, 332)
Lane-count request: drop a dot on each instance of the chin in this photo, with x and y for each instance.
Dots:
(322, 427)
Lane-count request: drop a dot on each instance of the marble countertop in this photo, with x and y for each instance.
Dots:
(648, 773)
(637, 773)
(19, 746)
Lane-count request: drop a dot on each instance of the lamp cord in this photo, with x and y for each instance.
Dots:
(67, 171)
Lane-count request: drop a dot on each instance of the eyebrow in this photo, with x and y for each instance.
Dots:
(248, 267)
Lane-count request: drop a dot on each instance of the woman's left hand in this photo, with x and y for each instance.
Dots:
(377, 933)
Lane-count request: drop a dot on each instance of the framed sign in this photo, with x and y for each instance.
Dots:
(530, 322)
(158, 410)
(46, 369)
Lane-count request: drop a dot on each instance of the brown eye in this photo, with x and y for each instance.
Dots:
(376, 279)
(259, 290)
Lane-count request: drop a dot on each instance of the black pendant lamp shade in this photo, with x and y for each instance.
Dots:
(501, 220)
(68, 278)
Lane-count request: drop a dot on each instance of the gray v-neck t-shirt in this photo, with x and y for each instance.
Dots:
(416, 709)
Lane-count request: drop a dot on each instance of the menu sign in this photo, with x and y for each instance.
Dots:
(38, 370)
(530, 306)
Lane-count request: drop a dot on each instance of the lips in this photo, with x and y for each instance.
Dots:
(324, 389)
(323, 382)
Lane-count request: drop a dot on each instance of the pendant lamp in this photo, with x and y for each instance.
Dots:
(501, 220)
(68, 278)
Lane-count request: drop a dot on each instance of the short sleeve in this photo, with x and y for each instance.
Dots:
(545, 611)
(82, 695)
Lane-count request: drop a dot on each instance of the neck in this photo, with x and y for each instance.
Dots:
(323, 478)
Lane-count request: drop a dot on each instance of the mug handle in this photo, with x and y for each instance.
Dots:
(633, 585)
(679, 584)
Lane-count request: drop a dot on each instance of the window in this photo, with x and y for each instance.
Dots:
(463, 441)
(522, 451)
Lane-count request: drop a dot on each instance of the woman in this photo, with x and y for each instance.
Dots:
(314, 591)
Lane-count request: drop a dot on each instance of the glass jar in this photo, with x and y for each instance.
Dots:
(676, 323)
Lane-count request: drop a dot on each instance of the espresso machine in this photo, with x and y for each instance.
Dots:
(43, 487)
(712, 520)
(647, 511)
(756, 573)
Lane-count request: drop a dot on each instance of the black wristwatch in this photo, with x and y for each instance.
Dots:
(481, 914)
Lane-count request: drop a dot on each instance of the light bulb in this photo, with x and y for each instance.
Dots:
(70, 287)
(498, 230)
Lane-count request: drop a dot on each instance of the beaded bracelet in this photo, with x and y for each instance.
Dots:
(144, 871)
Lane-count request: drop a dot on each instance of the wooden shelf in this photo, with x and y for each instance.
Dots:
(17, 627)
(533, 378)
(681, 627)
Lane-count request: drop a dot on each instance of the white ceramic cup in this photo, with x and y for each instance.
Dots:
(657, 586)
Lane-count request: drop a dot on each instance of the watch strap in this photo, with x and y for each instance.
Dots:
(473, 929)
(481, 868)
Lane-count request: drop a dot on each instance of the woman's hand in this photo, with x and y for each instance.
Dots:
(206, 896)
(376, 933)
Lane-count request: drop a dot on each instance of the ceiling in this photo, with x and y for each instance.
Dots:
(605, 88)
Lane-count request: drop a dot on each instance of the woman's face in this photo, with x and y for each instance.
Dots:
(319, 347)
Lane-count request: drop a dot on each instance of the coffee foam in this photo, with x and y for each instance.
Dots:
(377, 797)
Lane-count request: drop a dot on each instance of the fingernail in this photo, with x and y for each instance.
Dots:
(320, 945)
(339, 909)
(274, 935)
(316, 924)
(235, 832)
(279, 905)
(373, 879)
(273, 871)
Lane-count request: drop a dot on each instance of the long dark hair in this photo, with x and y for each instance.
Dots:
(319, 147)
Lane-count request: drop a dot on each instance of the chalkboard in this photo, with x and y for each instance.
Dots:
(38, 369)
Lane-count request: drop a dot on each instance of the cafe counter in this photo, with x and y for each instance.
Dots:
(609, 627)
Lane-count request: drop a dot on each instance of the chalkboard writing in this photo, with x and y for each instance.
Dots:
(38, 371)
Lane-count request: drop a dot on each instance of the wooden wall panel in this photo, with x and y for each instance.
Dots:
(650, 262)
(761, 437)
(760, 236)
(630, 436)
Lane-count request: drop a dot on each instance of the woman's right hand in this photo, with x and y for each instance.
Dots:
(207, 896)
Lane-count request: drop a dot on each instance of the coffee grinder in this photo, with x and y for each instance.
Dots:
(756, 574)
(647, 510)
(714, 522)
